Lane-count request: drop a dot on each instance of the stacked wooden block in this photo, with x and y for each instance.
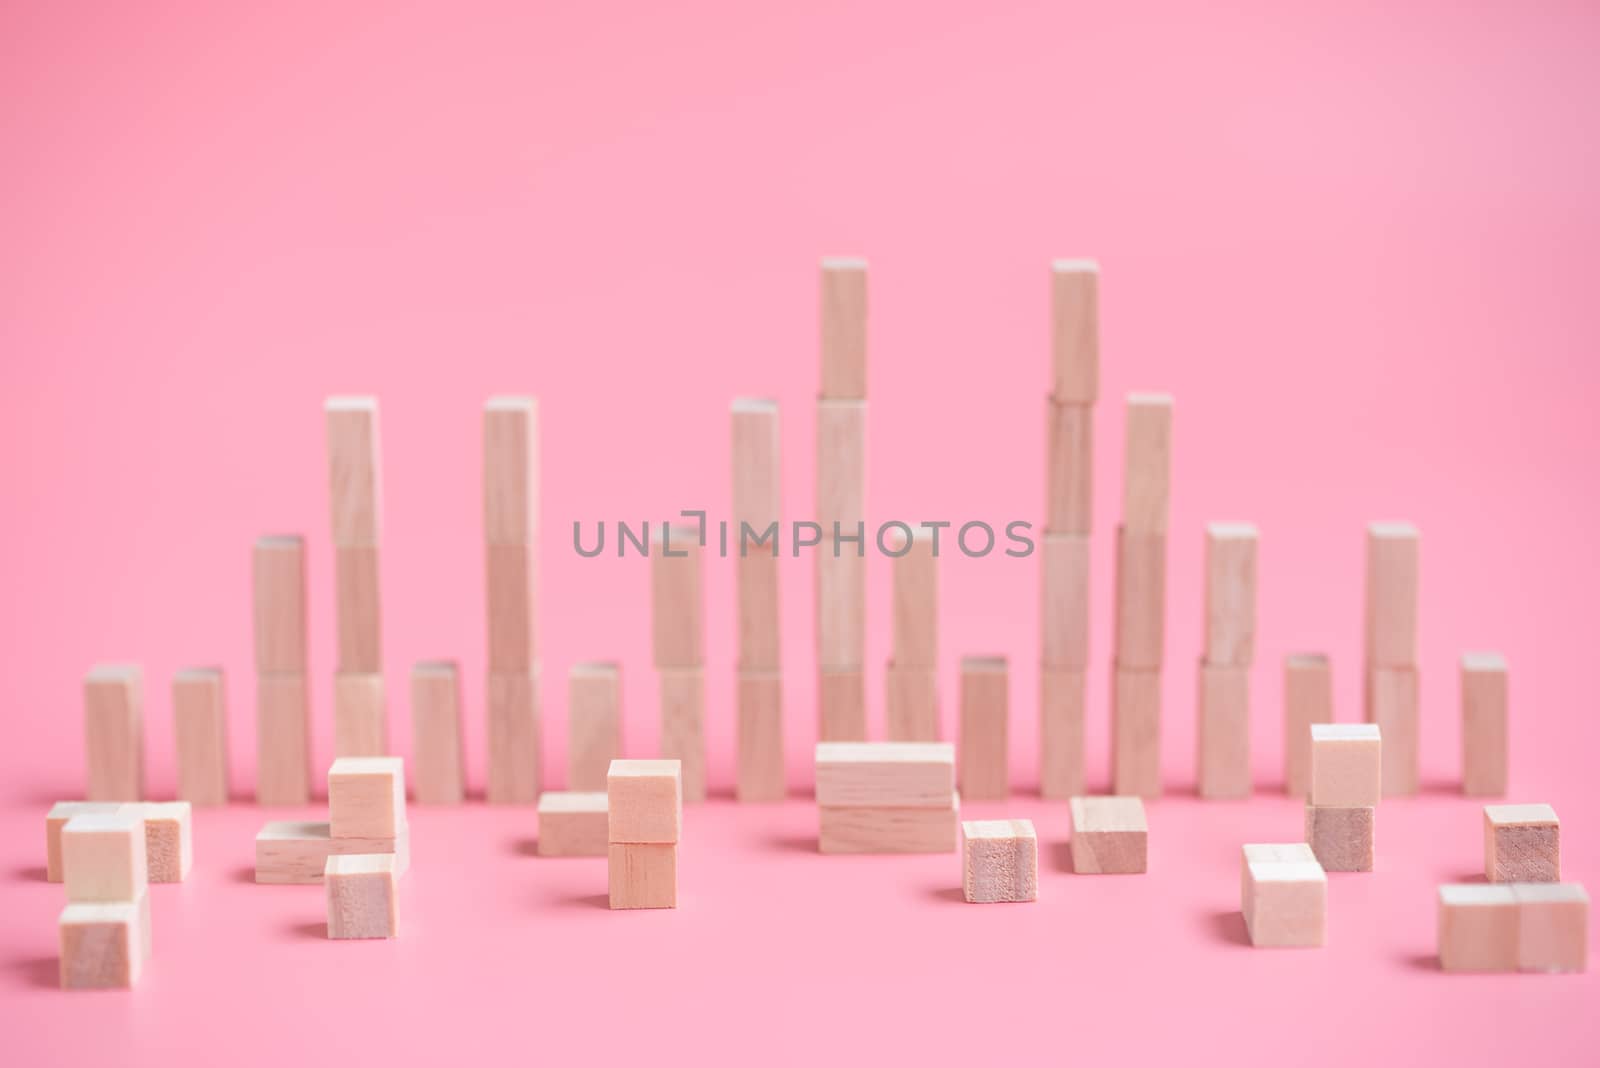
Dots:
(113, 732)
(200, 727)
(1521, 844)
(841, 504)
(511, 554)
(886, 797)
(756, 515)
(644, 823)
(1392, 681)
(1069, 494)
(1110, 836)
(1485, 726)
(283, 699)
(985, 773)
(1141, 598)
(360, 707)
(1307, 699)
(1000, 861)
(1284, 895)
(594, 723)
(678, 633)
(911, 680)
(168, 835)
(438, 764)
(1346, 781)
(1222, 747)
(366, 804)
(573, 823)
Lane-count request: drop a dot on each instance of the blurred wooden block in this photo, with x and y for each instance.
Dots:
(1075, 330)
(985, 772)
(1256, 853)
(1347, 763)
(278, 570)
(1141, 604)
(757, 483)
(572, 823)
(511, 471)
(363, 895)
(354, 473)
(1521, 844)
(841, 607)
(367, 797)
(885, 774)
(59, 814)
(200, 727)
(1000, 861)
(887, 829)
(844, 328)
(1552, 927)
(911, 698)
(359, 609)
(511, 578)
(1307, 699)
(645, 801)
(1478, 927)
(515, 739)
(683, 727)
(1341, 836)
(103, 856)
(113, 730)
(360, 715)
(841, 567)
(295, 853)
(1393, 563)
(760, 759)
(1285, 899)
(759, 633)
(675, 598)
(1069, 468)
(1064, 623)
(1136, 732)
(1223, 750)
(168, 838)
(1147, 463)
(283, 742)
(916, 600)
(1109, 836)
(101, 945)
(841, 464)
(841, 705)
(642, 875)
(1393, 704)
(1485, 729)
(757, 474)
(1063, 701)
(438, 765)
(594, 723)
(1230, 639)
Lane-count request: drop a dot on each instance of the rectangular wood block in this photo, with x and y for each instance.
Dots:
(1109, 836)
(841, 705)
(759, 633)
(278, 572)
(594, 723)
(103, 856)
(1393, 567)
(885, 774)
(1393, 703)
(1484, 725)
(511, 471)
(642, 875)
(755, 448)
(645, 801)
(363, 895)
(101, 945)
(916, 600)
(59, 814)
(911, 698)
(113, 730)
(1521, 844)
(1223, 739)
(354, 474)
(888, 829)
(844, 327)
(1147, 463)
(360, 715)
(1000, 861)
(1346, 763)
(572, 823)
(367, 797)
(295, 853)
(1285, 899)
(1478, 927)
(200, 727)
(1063, 701)
(1141, 605)
(1069, 468)
(1552, 928)
(683, 727)
(841, 464)
(1136, 732)
(841, 602)
(438, 767)
(1075, 330)
(1064, 616)
(510, 581)
(1231, 594)
(516, 758)
(360, 611)
(1307, 699)
(1256, 853)
(675, 598)
(168, 838)
(283, 740)
(984, 766)
(760, 758)
(1341, 836)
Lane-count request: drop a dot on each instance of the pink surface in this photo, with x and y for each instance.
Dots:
(1356, 243)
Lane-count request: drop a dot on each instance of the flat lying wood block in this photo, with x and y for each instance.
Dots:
(1075, 330)
(1393, 562)
(916, 600)
(1064, 615)
(885, 774)
(1147, 463)
(844, 327)
(295, 853)
(367, 797)
(572, 823)
(760, 759)
(1069, 474)
(1285, 897)
(984, 767)
(437, 761)
(1307, 699)
(1341, 836)
(1552, 928)
(168, 838)
(1000, 861)
(363, 895)
(759, 631)
(360, 715)
(278, 572)
(1109, 835)
(642, 875)
(884, 829)
(683, 727)
(1223, 750)
(675, 598)
(1063, 701)
(200, 725)
(1136, 732)
(101, 945)
(283, 742)
(510, 471)
(1231, 594)
(911, 700)
(59, 814)
(516, 757)
(354, 475)
(103, 856)
(1478, 927)
(1521, 844)
(113, 731)
(511, 576)
(1346, 763)
(841, 705)
(1393, 703)
(594, 723)
(1141, 605)
(645, 801)
(757, 475)
(1484, 725)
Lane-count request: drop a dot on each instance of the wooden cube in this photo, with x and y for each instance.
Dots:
(283, 744)
(510, 470)
(168, 838)
(1307, 699)
(911, 698)
(294, 853)
(1341, 836)
(360, 715)
(1393, 704)
(438, 765)
(1063, 700)
(1484, 726)
(1064, 611)
(675, 597)
(1393, 558)
(1147, 463)
(367, 797)
(1478, 928)
(1223, 739)
(1109, 835)
(113, 731)
(572, 823)
(844, 327)
(1000, 861)
(200, 726)
(642, 875)
(1285, 897)
(59, 814)
(101, 945)
(1136, 732)
(841, 705)
(363, 895)
(1141, 603)
(683, 730)
(985, 772)
(1521, 844)
(354, 474)
(360, 609)
(278, 572)
(103, 856)
(885, 774)
(1346, 764)
(1230, 638)
(511, 579)
(760, 774)
(645, 801)
(889, 829)
(515, 738)
(1552, 927)
(1069, 485)
(916, 600)
(1075, 330)
(594, 723)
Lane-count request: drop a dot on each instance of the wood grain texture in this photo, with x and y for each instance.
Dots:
(1285, 898)
(1307, 699)
(1141, 601)
(200, 731)
(1341, 836)
(359, 609)
(1222, 749)
(100, 946)
(1485, 725)
(113, 731)
(760, 772)
(278, 576)
(1478, 928)
(294, 853)
(362, 895)
(841, 605)
(916, 599)
(515, 736)
(594, 722)
(875, 829)
(283, 740)
(367, 797)
(1000, 861)
(1230, 635)
(1521, 844)
(573, 823)
(642, 875)
(59, 814)
(844, 328)
(438, 762)
(1393, 567)
(103, 857)
(1393, 703)
(511, 471)
(756, 453)
(360, 715)
(676, 598)
(1552, 927)
(841, 705)
(1346, 763)
(1064, 613)
(683, 727)
(760, 635)
(1063, 704)
(645, 801)
(1069, 467)
(1075, 330)
(168, 838)
(984, 765)
(841, 463)
(510, 581)
(1147, 463)
(355, 483)
(911, 700)
(1136, 732)
(885, 774)
(841, 567)
(756, 503)
(1109, 835)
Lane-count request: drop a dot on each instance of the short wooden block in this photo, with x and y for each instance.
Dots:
(360, 715)
(103, 856)
(1341, 836)
(984, 767)
(1484, 726)
(510, 580)
(1064, 617)
(1478, 928)
(1000, 861)
(1141, 604)
(354, 474)
(363, 895)
(841, 705)
(101, 945)
(911, 701)
(844, 327)
(295, 853)
(885, 774)
(916, 600)
(1230, 639)
(1285, 897)
(1347, 763)
(278, 571)
(510, 471)
(1063, 701)
(438, 768)
(1256, 853)
(516, 755)
(1222, 752)
(1136, 732)
(168, 838)
(1147, 463)
(1393, 703)
(683, 727)
(1069, 468)
(675, 598)
(1552, 927)
(1307, 699)
(760, 759)
(572, 823)
(200, 725)
(878, 829)
(645, 801)
(367, 797)
(59, 814)
(113, 730)
(841, 600)
(594, 723)
(1393, 561)
(642, 875)
(1521, 844)
(283, 742)
(759, 633)
(1109, 836)
(1075, 330)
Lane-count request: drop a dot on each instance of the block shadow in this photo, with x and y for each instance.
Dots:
(948, 893)
(793, 843)
(1061, 857)
(1228, 926)
(302, 929)
(41, 973)
(34, 874)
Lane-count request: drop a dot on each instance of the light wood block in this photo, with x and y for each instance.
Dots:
(102, 945)
(1307, 699)
(916, 600)
(642, 875)
(278, 571)
(677, 628)
(360, 715)
(841, 705)
(1521, 844)
(841, 592)
(1485, 730)
(1064, 622)
(572, 823)
(1285, 897)
(1075, 330)
(844, 327)
(841, 603)
(683, 727)
(1109, 836)
(511, 471)
(984, 765)
(283, 740)
(1063, 703)
(1478, 928)
(1223, 740)
(1141, 605)
(438, 766)
(760, 637)
(877, 829)
(594, 723)
(1147, 463)
(1347, 763)
(516, 754)
(113, 731)
(1231, 594)
(168, 838)
(1393, 566)
(755, 448)
(367, 797)
(1552, 927)
(1136, 732)
(885, 774)
(1069, 468)
(360, 611)
(760, 758)
(200, 726)
(911, 697)
(1256, 853)
(103, 856)
(1393, 703)
(511, 577)
(294, 853)
(363, 893)
(645, 801)
(355, 483)
(1341, 836)
(59, 814)
(841, 465)
(1000, 861)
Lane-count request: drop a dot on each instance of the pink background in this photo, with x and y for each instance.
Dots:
(1355, 241)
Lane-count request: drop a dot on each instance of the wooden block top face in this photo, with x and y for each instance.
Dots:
(1549, 893)
(367, 797)
(564, 801)
(1520, 815)
(1092, 815)
(1288, 871)
(1346, 764)
(998, 829)
(103, 856)
(1147, 463)
(114, 675)
(1486, 663)
(1281, 853)
(983, 665)
(360, 864)
(354, 480)
(1075, 330)
(596, 669)
(294, 831)
(645, 801)
(510, 470)
(435, 669)
(844, 328)
(885, 774)
(1477, 895)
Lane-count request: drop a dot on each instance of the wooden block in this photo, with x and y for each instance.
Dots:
(1147, 463)
(1256, 853)
(1231, 594)
(1075, 330)
(360, 715)
(1347, 763)
(1136, 732)
(642, 875)
(113, 731)
(437, 763)
(645, 801)
(101, 945)
(511, 471)
(367, 797)
(103, 856)
(594, 723)
(1307, 699)
(841, 705)
(760, 760)
(1521, 844)
(1393, 562)
(1393, 704)
(572, 823)
(295, 853)
(912, 703)
(756, 451)
(675, 598)
(1069, 468)
(844, 327)
(1552, 927)
(363, 895)
(984, 767)
(1484, 726)
(1223, 739)
(1285, 898)
(1141, 605)
(516, 757)
(1109, 836)
(841, 465)
(511, 577)
(354, 474)
(278, 570)
(168, 838)
(841, 608)
(200, 726)
(885, 774)
(759, 632)
(283, 740)
(1478, 928)
(1063, 700)
(360, 609)
(875, 829)
(916, 599)
(1000, 861)
(1064, 622)
(683, 727)
(1341, 836)
(59, 814)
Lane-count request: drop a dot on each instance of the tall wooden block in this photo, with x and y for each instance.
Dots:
(841, 705)
(515, 738)
(760, 759)
(1136, 732)
(57, 818)
(985, 708)
(200, 725)
(755, 449)
(756, 506)
(1484, 726)
(675, 598)
(1521, 844)
(683, 726)
(1147, 475)
(1341, 836)
(759, 632)
(644, 801)
(916, 600)
(511, 578)
(885, 774)
(510, 471)
(438, 765)
(888, 829)
(1285, 897)
(642, 875)
(1000, 861)
(1307, 699)
(841, 607)
(1393, 567)
(366, 797)
(1478, 927)
(283, 740)
(354, 473)
(572, 823)
(1347, 763)
(594, 723)
(1063, 701)
(360, 610)
(844, 327)
(360, 715)
(1110, 836)
(1230, 639)
(278, 570)
(102, 945)
(363, 894)
(1393, 704)
(1223, 740)
(1064, 618)
(168, 838)
(911, 697)
(113, 731)
(1075, 330)
(103, 856)
(1141, 604)
(1069, 468)
(1552, 927)
(841, 463)
(841, 595)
